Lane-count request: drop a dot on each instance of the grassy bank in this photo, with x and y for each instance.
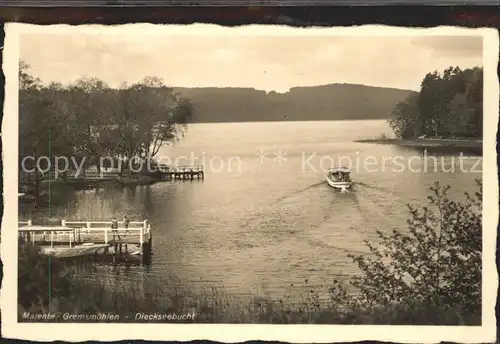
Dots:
(212, 304)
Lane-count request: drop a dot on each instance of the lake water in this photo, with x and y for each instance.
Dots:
(263, 220)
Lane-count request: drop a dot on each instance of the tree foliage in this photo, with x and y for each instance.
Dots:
(147, 115)
(449, 104)
(405, 117)
(89, 119)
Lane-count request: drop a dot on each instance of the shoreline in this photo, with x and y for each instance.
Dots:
(428, 143)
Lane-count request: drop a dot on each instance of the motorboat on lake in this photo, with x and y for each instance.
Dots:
(339, 178)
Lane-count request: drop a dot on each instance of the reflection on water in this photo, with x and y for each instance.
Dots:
(268, 226)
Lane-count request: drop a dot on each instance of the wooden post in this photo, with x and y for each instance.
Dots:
(51, 239)
(30, 223)
(143, 231)
(63, 224)
(70, 234)
(105, 235)
(89, 225)
(115, 253)
(150, 241)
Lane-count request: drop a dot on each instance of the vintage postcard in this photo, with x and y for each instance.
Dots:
(251, 183)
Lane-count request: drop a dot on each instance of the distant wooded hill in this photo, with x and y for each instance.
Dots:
(328, 102)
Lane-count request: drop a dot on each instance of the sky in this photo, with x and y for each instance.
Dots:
(270, 63)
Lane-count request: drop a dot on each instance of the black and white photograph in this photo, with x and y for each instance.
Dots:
(198, 177)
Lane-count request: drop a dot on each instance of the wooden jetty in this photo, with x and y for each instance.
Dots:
(179, 172)
(94, 179)
(74, 239)
(185, 172)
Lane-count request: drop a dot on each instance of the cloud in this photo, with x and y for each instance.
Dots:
(454, 46)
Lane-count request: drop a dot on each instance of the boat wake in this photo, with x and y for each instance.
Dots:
(286, 214)
(362, 185)
(380, 206)
(314, 213)
(298, 192)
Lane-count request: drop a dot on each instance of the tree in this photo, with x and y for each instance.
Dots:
(169, 128)
(41, 124)
(474, 96)
(460, 117)
(91, 117)
(26, 80)
(29, 102)
(89, 120)
(43, 117)
(148, 114)
(449, 104)
(430, 103)
(405, 118)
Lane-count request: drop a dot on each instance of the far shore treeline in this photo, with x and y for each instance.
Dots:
(449, 105)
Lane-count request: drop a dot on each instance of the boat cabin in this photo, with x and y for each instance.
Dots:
(340, 174)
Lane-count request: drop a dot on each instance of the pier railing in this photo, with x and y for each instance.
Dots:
(75, 175)
(187, 168)
(80, 232)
